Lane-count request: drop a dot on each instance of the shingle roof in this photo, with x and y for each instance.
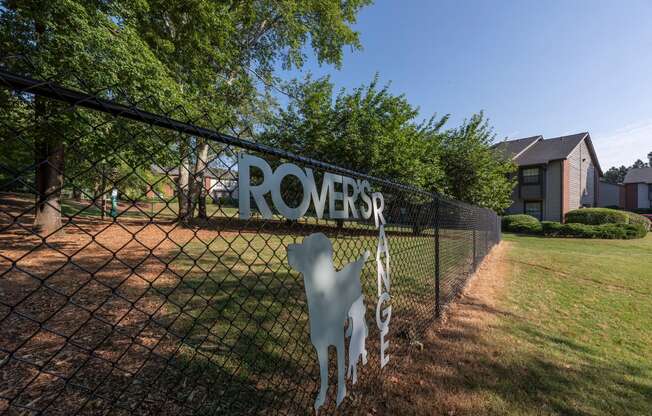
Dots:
(513, 148)
(550, 149)
(638, 175)
(536, 151)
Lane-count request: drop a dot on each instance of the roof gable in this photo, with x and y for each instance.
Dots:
(557, 148)
(550, 149)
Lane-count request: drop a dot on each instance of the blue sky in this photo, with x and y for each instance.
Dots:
(535, 67)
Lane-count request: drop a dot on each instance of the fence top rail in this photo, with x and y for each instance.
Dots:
(52, 90)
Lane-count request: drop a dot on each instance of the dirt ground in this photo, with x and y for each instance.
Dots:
(429, 377)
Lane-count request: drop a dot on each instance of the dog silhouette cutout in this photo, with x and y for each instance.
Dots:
(330, 294)
(358, 332)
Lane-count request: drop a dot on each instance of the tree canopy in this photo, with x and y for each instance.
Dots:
(374, 131)
(204, 56)
(617, 175)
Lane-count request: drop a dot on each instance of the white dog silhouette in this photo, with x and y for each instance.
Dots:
(358, 332)
(330, 294)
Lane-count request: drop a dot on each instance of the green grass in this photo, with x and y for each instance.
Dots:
(158, 210)
(245, 310)
(576, 335)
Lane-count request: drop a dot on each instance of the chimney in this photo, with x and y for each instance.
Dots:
(649, 158)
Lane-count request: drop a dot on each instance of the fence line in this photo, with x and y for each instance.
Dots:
(130, 310)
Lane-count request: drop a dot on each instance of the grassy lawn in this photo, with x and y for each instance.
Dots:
(577, 335)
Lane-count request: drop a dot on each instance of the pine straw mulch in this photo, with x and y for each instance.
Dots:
(434, 375)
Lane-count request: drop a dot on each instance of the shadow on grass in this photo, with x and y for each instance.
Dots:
(98, 320)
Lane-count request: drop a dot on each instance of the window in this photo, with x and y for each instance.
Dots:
(531, 176)
(649, 192)
(534, 208)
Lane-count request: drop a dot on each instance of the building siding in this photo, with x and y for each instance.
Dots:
(631, 195)
(581, 178)
(643, 196)
(574, 179)
(553, 203)
(517, 202)
(587, 188)
(609, 195)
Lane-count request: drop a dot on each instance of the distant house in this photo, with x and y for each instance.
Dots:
(218, 183)
(554, 175)
(638, 188)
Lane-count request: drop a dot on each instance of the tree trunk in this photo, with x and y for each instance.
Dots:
(49, 158)
(49, 181)
(199, 188)
(183, 194)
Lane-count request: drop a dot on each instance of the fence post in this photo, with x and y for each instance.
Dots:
(437, 261)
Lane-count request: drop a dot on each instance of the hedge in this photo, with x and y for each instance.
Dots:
(521, 223)
(596, 216)
(635, 218)
(605, 231)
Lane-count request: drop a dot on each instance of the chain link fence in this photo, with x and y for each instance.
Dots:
(141, 290)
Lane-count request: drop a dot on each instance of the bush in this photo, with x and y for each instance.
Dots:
(639, 220)
(596, 216)
(226, 201)
(605, 231)
(521, 223)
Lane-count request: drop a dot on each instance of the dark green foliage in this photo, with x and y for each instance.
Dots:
(615, 175)
(473, 171)
(595, 216)
(521, 223)
(603, 231)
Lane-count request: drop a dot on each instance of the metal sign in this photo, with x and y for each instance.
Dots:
(334, 297)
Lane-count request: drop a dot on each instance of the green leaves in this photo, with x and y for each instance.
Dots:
(369, 129)
(473, 172)
(374, 131)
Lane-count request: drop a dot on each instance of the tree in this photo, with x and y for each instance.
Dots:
(639, 164)
(473, 172)
(202, 57)
(615, 175)
(99, 52)
(375, 132)
(369, 130)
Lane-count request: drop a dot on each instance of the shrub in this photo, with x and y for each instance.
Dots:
(521, 223)
(226, 201)
(596, 216)
(640, 220)
(550, 228)
(605, 231)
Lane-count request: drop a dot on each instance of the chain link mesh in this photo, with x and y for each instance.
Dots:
(143, 307)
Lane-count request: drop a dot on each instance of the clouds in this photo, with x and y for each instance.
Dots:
(625, 145)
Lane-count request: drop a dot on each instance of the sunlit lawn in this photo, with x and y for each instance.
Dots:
(577, 338)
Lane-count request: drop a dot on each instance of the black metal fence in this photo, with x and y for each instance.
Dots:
(156, 298)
